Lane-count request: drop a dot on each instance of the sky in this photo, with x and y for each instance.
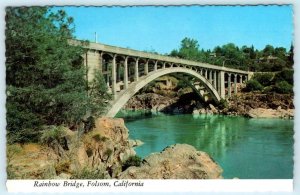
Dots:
(162, 28)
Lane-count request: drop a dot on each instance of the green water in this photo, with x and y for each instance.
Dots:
(245, 148)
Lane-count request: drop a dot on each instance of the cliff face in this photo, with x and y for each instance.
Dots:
(101, 153)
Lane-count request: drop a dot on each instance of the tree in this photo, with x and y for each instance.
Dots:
(189, 50)
(253, 85)
(44, 74)
(291, 56)
(268, 50)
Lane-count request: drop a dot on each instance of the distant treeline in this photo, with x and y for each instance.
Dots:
(269, 59)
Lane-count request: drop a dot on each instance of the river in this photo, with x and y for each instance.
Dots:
(245, 148)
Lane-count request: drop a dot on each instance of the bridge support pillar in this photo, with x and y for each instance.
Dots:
(210, 77)
(221, 83)
(229, 84)
(155, 66)
(114, 77)
(235, 87)
(205, 73)
(126, 73)
(215, 79)
(146, 68)
(136, 70)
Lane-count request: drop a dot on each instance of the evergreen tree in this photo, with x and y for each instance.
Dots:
(44, 74)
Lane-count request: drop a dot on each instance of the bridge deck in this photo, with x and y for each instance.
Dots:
(147, 55)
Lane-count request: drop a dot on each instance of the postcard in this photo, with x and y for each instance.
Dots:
(149, 98)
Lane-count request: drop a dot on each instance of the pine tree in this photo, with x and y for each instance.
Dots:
(44, 74)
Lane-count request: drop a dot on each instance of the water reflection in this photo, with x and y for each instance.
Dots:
(245, 148)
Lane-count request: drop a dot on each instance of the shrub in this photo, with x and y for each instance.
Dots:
(87, 173)
(264, 78)
(253, 85)
(108, 152)
(54, 133)
(132, 161)
(222, 104)
(285, 75)
(283, 87)
(23, 136)
(99, 138)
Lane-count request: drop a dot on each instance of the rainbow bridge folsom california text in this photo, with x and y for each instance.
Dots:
(126, 71)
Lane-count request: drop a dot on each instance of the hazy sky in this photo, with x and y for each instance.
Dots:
(162, 28)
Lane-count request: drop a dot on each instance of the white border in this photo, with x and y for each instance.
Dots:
(236, 184)
(178, 185)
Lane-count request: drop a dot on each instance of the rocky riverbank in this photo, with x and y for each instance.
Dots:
(253, 105)
(101, 154)
(258, 105)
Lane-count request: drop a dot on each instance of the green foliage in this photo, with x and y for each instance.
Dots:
(87, 173)
(285, 75)
(51, 134)
(264, 78)
(23, 136)
(132, 161)
(45, 75)
(99, 138)
(253, 85)
(108, 152)
(283, 87)
(181, 85)
(230, 55)
(99, 95)
(222, 104)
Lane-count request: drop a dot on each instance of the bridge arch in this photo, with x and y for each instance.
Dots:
(133, 88)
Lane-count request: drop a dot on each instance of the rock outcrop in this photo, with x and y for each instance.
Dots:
(150, 101)
(179, 161)
(257, 105)
(104, 150)
(271, 113)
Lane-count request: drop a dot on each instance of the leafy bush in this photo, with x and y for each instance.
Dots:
(23, 136)
(99, 138)
(253, 85)
(87, 173)
(222, 104)
(54, 133)
(285, 75)
(283, 87)
(108, 152)
(132, 161)
(264, 78)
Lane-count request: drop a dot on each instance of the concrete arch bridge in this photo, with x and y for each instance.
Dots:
(126, 71)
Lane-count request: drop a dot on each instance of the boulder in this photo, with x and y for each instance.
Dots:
(179, 161)
(213, 108)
